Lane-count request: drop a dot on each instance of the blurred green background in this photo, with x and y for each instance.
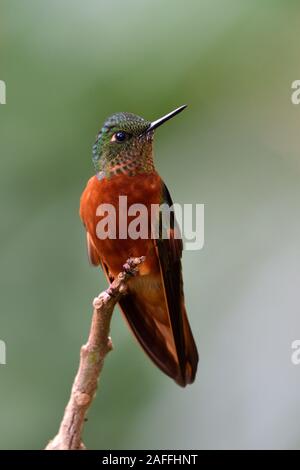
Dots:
(67, 66)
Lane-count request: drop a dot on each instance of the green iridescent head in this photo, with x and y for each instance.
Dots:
(124, 144)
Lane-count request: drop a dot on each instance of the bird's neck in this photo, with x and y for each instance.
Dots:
(128, 164)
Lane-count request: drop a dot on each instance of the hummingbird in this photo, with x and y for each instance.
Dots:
(154, 305)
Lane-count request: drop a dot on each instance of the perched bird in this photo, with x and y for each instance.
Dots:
(154, 304)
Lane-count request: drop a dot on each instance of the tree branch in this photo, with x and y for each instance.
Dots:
(92, 357)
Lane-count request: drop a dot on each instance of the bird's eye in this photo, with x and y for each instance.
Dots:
(120, 136)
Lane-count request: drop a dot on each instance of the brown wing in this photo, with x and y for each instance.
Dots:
(93, 255)
(150, 336)
(170, 344)
(169, 251)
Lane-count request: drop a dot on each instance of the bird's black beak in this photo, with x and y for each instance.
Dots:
(165, 118)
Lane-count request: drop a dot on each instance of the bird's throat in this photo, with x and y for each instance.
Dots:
(127, 165)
